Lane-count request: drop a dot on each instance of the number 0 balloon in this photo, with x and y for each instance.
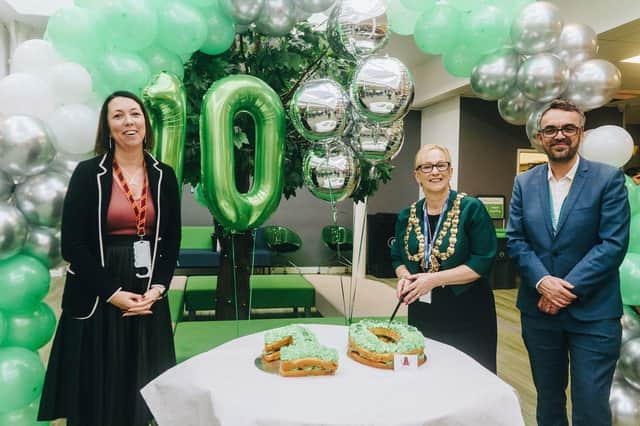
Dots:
(226, 98)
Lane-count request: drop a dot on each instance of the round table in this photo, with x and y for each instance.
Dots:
(224, 387)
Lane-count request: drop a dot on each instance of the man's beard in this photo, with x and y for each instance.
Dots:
(563, 157)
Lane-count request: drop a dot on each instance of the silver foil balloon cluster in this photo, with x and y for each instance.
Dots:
(624, 398)
(331, 171)
(549, 60)
(272, 17)
(32, 190)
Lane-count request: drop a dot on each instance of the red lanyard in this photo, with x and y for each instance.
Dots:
(139, 208)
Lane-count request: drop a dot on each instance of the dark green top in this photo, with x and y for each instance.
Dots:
(475, 247)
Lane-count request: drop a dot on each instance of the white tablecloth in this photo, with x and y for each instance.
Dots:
(224, 387)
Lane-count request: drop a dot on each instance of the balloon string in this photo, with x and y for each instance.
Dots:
(253, 262)
(235, 282)
(360, 245)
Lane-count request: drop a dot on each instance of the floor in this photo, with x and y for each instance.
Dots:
(375, 297)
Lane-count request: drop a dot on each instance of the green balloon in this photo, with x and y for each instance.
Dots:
(25, 282)
(485, 29)
(159, 60)
(416, 5)
(437, 29)
(466, 5)
(25, 416)
(402, 20)
(461, 60)
(131, 24)
(31, 329)
(511, 8)
(221, 33)
(224, 99)
(21, 378)
(202, 3)
(183, 29)
(166, 100)
(633, 192)
(124, 71)
(634, 234)
(630, 279)
(3, 328)
(72, 30)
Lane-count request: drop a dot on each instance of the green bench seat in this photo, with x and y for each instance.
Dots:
(176, 304)
(268, 291)
(195, 337)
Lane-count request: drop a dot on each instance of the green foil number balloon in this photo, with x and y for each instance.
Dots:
(166, 100)
(224, 99)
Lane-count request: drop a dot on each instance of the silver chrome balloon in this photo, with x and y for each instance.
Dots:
(537, 28)
(314, 6)
(495, 74)
(376, 142)
(6, 186)
(577, 43)
(331, 171)
(543, 77)
(13, 230)
(357, 29)
(624, 402)
(514, 107)
(630, 325)
(44, 244)
(242, 11)
(382, 89)
(276, 18)
(26, 146)
(320, 109)
(629, 362)
(40, 198)
(66, 163)
(593, 83)
(533, 125)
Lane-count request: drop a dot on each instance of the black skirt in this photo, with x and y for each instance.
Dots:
(466, 321)
(98, 365)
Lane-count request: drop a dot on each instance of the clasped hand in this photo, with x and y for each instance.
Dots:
(410, 287)
(132, 304)
(556, 294)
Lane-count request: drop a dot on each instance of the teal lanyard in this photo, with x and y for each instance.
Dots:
(431, 238)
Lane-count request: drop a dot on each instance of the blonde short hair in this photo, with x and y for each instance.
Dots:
(430, 147)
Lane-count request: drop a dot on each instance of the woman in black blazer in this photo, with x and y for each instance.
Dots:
(120, 235)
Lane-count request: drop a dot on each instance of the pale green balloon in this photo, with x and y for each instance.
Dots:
(25, 416)
(159, 60)
(241, 93)
(220, 33)
(25, 282)
(166, 100)
(633, 193)
(124, 71)
(460, 60)
(73, 32)
(183, 28)
(630, 279)
(402, 20)
(131, 24)
(437, 29)
(416, 5)
(3, 328)
(485, 29)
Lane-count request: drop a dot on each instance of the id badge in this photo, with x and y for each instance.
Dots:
(142, 257)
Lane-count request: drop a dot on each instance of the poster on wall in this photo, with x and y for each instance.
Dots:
(528, 159)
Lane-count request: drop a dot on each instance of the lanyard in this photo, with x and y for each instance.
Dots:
(431, 238)
(139, 208)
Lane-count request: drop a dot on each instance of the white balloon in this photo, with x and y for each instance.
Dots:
(34, 56)
(74, 127)
(608, 144)
(71, 83)
(22, 93)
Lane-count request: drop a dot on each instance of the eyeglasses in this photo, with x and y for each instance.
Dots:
(567, 130)
(442, 166)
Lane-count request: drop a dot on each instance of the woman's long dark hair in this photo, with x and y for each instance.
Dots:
(103, 144)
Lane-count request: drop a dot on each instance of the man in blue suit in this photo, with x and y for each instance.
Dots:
(568, 232)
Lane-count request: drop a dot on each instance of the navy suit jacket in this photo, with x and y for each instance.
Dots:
(588, 246)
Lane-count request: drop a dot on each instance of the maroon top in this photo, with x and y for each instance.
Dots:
(120, 217)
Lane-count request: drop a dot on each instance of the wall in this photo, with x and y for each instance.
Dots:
(307, 215)
(488, 146)
(441, 125)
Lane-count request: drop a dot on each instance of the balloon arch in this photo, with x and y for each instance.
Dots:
(519, 53)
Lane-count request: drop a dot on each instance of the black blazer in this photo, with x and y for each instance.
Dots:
(84, 218)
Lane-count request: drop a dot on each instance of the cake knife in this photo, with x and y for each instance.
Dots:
(395, 311)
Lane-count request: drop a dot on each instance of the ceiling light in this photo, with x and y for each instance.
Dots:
(632, 60)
